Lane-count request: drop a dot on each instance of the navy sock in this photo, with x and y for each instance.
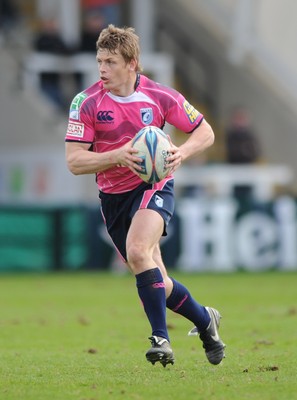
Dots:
(181, 302)
(151, 290)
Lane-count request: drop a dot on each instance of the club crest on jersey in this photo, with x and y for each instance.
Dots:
(146, 115)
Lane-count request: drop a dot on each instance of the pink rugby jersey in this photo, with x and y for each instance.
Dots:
(107, 122)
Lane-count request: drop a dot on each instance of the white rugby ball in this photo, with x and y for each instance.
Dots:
(152, 145)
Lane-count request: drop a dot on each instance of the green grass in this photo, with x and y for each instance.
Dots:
(83, 336)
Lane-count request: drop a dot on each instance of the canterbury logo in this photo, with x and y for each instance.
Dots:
(105, 116)
(158, 285)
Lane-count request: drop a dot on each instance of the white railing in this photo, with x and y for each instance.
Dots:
(36, 63)
(160, 65)
(220, 180)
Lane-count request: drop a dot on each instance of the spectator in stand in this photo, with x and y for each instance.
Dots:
(48, 40)
(93, 22)
(110, 10)
(242, 146)
(9, 16)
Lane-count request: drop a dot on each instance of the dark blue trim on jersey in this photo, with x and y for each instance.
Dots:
(199, 123)
(137, 81)
(77, 141)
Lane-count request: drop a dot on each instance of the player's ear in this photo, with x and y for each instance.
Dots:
(132, 65)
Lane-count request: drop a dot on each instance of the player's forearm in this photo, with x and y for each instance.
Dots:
(202, 138)
(83, 162)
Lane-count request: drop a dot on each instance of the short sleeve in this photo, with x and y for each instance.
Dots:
(81, 119)
(183, 115)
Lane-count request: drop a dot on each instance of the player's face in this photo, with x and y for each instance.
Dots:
(116, 75)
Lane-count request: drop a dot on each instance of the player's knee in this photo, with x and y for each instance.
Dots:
(137, 256)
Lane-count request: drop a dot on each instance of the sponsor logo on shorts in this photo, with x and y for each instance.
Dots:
(75, 129)
(146, 115)
(105, 117)
(191, 112)
(159, 201)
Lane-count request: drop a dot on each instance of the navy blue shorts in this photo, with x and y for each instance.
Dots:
(119, 209)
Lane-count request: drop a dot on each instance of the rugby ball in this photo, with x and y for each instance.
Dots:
(153, 148)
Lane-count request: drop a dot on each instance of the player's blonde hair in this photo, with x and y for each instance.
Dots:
(124, 40)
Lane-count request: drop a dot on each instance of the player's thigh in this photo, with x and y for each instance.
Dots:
(145, 230)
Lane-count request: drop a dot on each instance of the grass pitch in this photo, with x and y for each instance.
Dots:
(84, 335)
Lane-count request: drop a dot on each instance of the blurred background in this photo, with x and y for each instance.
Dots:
(234, 60)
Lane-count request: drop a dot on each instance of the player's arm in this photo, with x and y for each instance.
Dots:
(82, 161)
(198, 141)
